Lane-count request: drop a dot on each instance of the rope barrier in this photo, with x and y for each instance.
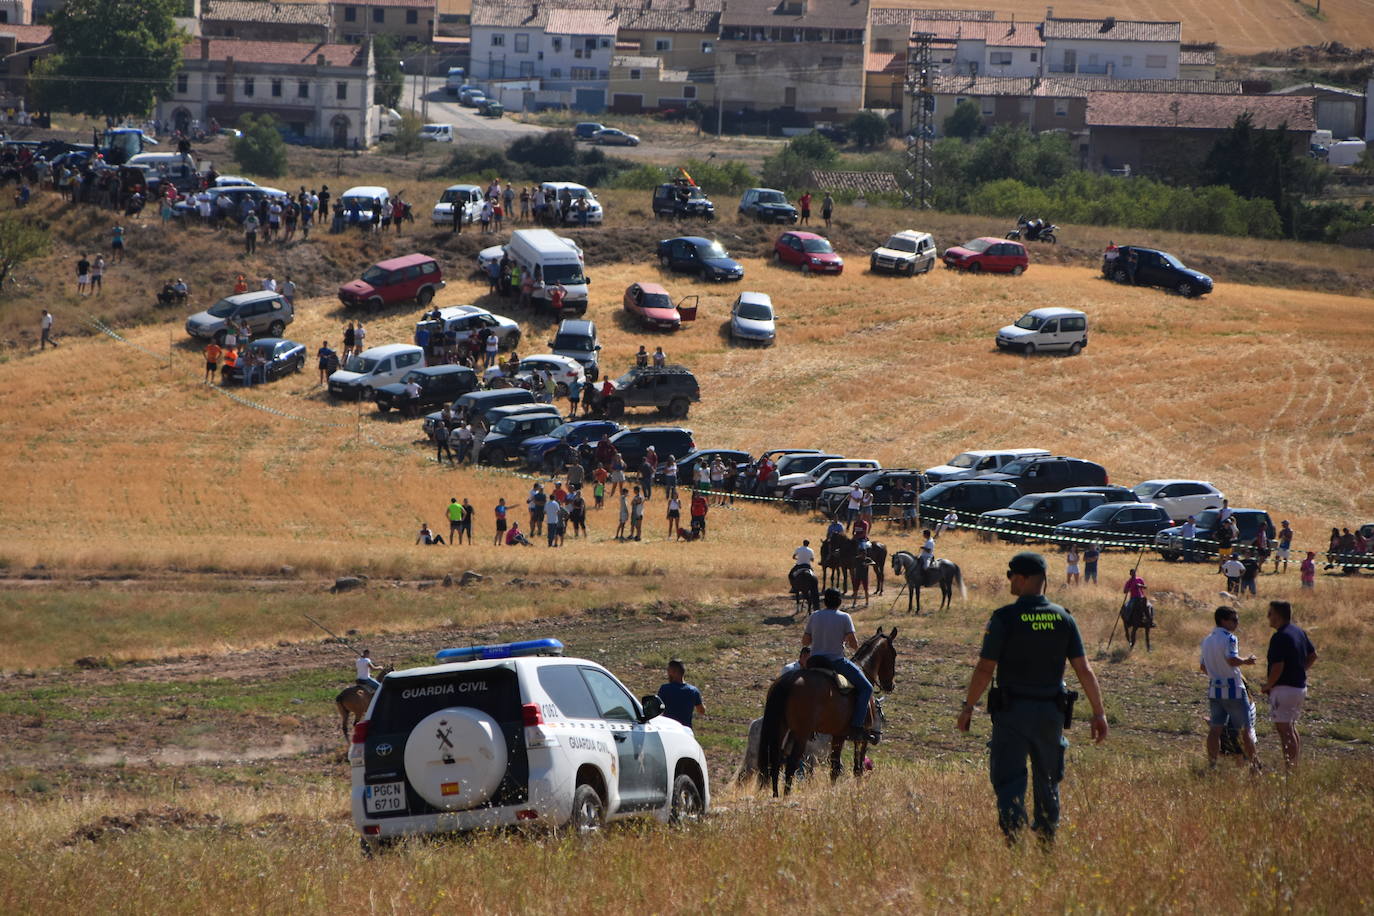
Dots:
(1203, 547)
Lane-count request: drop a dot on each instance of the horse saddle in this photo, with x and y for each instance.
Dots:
(822, 665)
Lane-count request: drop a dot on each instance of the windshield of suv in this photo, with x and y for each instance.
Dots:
(755, 311)
(966, 460)
(897, 243)
(869, 479)
(360, 364)
(1101, 513)
(507, 425)
(976, 245)
(362, 203)
(223, 308)
(374, 275)
(1025, 503)
(1028, 323)
(657, 301)
(817, 246)
(771, 197)
(626, 380)
(562, 432)
(1017, 467)
(416, 377)
(567, 274)
(573, 342)
(1146, 490)
(1208, 520)
(450, 195)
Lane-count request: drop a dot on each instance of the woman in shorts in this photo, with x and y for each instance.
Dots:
(674, 513)
(617, 475)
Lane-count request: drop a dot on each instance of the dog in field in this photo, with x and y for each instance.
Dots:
(684, 534)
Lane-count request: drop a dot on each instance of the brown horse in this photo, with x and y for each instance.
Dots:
(840, 554)
(353, 701)
(805, 703)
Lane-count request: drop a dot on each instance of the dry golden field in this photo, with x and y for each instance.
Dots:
(1240, 26)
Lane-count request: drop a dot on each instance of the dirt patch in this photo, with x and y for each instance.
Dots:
(166, 817)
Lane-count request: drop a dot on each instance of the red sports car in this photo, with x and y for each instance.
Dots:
(809, 251)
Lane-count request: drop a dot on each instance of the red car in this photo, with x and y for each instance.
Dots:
(411, 277)
(990, 254)
(809, 251)
(655, 307)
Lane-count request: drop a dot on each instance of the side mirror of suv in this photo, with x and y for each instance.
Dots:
(653, 707)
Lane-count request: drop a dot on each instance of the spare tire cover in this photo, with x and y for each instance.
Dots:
(455, 758)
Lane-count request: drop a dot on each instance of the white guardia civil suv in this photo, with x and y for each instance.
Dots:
(517, 734)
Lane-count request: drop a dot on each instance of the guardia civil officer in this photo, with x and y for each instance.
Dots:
(1026, 645)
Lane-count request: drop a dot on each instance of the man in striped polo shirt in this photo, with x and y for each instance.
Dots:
(1226, 694)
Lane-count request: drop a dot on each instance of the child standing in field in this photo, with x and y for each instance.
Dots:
(1308, 570)
(599, 491)
(1071, 566)
(624, 516)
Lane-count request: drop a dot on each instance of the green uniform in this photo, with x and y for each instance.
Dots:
(1030, 640)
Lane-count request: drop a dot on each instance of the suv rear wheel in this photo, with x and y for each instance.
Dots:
(615, 407)
(588, 811)
(275, 328)
(687, 806)
(425, 297)
(678, 407)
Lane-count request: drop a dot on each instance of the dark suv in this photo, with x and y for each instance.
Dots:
(767, 206)
(666, 440)
(511, 432)
(672, 389)
(1050, 473)
(439, 385)
(1035, 515)
(1170, 545)
(967, 497)
(1155, 268)
(680, 200)
(887, 487)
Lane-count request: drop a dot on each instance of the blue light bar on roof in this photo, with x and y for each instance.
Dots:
(501, 650)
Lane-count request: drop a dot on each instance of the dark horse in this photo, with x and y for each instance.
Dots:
(1137, 614)
(840, 554)
(353, 701)
(803, 704)
(805, 588)
(944, 573)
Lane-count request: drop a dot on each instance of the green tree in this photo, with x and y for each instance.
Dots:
(20, 241)
(868, 128)
(965, 122)
(546, 150)
(391, 75)
(261, 150)
(408, 139)
(113, 57)
(816, 149)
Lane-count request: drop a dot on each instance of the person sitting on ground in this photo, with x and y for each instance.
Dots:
(516, 536)
(427, 536)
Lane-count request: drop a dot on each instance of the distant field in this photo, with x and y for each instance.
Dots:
(1239, 26)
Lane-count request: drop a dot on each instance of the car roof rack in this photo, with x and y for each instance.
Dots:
(501, 650)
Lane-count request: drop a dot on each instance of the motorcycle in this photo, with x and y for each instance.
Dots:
(1033, 230)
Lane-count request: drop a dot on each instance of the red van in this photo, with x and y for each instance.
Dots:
(412, 277)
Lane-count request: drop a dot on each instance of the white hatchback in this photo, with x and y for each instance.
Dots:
(1180, 498)
(752, 319)
(516, 734)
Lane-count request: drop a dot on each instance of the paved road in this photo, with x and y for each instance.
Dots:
(467, 124)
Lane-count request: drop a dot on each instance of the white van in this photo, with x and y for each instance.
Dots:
(439, 133)
(553, 260)
(970, 464)
(1048, 329)
(374, 367)
(366, 199)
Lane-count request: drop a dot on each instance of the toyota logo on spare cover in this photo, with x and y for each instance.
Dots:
(383, 749)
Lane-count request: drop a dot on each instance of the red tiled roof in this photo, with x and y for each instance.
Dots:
(1001, 34)
(860, 182)
(276, 52)
(276, 13)
(409, 4)
(878, 62)
(582, 22)
(1112, 29)
(28, 34)
(890, 16)
(1196, 111)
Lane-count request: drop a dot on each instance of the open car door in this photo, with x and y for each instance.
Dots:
(687, 308)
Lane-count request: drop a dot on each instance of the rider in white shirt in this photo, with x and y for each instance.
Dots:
(804, 555)
(927, 556)
(365, 669)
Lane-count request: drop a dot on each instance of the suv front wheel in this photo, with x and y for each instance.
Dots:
(588, 811)
(687, 805)
(678, 407)
(275, 329)
(615, 407)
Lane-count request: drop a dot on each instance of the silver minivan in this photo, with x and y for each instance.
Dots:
(266, 312)
(1048, 329)
(374, 367)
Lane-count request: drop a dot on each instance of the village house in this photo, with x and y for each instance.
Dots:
(21, 47)
(254, 20)
(1197, 61)
(321, 93)
(407, 20)
(1341, 111)
(1120, 48)
(558, 56)
(640, 84)
(681, 33)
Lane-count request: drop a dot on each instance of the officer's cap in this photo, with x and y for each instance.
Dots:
(1027, 563)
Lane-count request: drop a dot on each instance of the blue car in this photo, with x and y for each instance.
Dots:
(540, 449)
(279, 357)
(706, 258)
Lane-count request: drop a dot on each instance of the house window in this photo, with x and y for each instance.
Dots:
(999, 58)
(1127, 61)
(1156, 61)
(350, 14)
(603, 75)
(220, 85)
(498, 40)
(527, 68)
(341, 91)
(412, 17)
(883, 45)
(746, 60)
(605, 43)
(584, 73)
(248, 86)
(663, 44)
(635, 74)
(989, 106)
(303, 89)
(558, 46)
(1035, 56)
(1092, 60)
(556, 73)
(1061, 108)
(832, 63)
(182, 83)
(689, 92)
(276, 89)
(378, 14)
(4, 16)
(522, 44)
(708, 47)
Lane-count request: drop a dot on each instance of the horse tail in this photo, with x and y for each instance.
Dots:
(959, 580)
(773, 727)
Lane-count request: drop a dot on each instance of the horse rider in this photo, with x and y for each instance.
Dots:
(1134, 590)
(828, 632)
(365, 669)
(803, 657)
(802, 558)
(1026, 645)
(927, 555)
(835, 527)
(861, 533)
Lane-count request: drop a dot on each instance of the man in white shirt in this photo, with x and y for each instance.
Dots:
(365, 669)
(927, 556)
(412, 398)
(1226, 694)
(856, 499)
(269, 284)
(804, 555)
(46, 328)
(1232, 569)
